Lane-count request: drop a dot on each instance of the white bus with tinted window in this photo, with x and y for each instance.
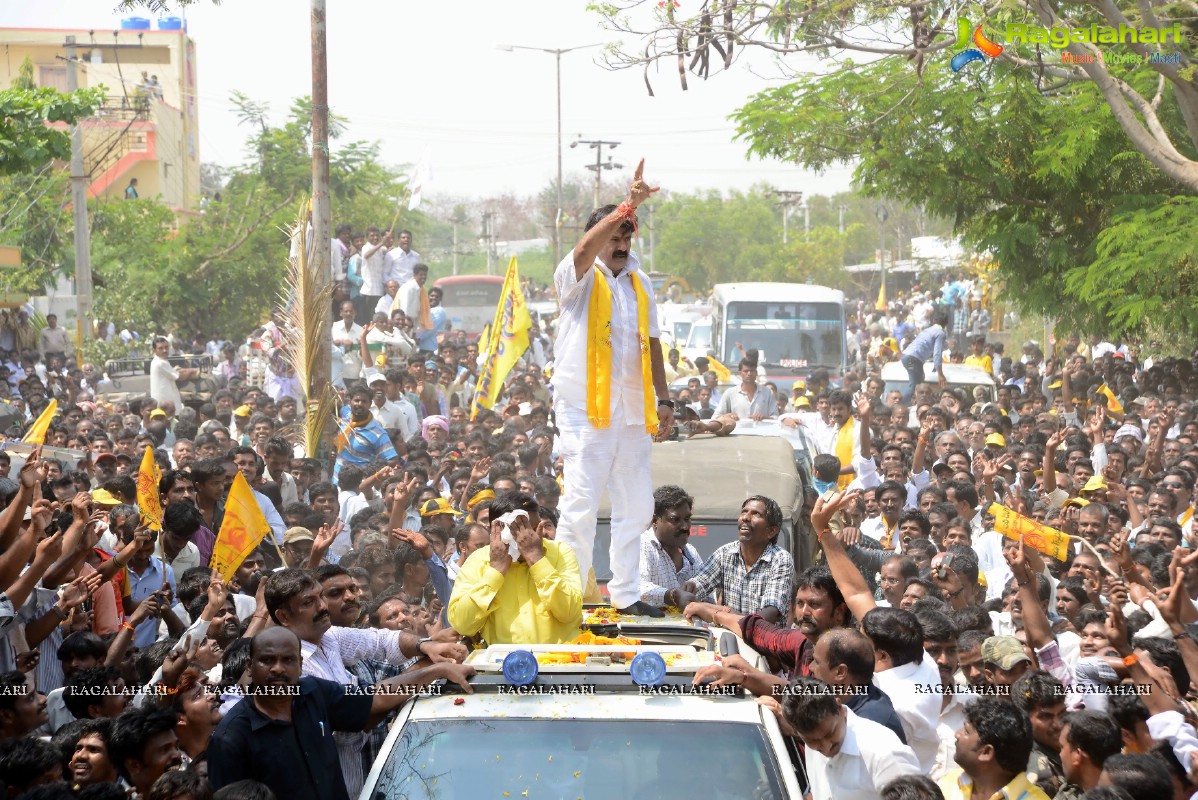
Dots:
(796, 328)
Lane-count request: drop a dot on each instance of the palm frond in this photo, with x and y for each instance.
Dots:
(305, 334)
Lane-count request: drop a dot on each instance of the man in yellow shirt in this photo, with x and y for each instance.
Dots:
(533, 599)
(992, 749)
(977, 358)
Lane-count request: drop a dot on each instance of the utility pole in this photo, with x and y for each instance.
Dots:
(318, 266)
(788, 199)
(599, 165)
(882, 215)
(83, 259)
(843, 208)
(488, 236)
(806, 222)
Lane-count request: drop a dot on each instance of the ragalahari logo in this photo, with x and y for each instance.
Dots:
(982, 49)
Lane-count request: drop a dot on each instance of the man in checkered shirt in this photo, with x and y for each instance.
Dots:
(752, 575)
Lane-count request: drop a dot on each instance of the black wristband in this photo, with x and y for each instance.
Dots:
(669, 403)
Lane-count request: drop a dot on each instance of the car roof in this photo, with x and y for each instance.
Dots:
(953, 373)
(720, 472)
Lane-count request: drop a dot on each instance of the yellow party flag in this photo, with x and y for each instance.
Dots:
(148, 501)
(241, 530)
(1112, 402)
(881, 304)
(37, 431)
(1035, 535)
(722, 373)
(484, 339)
(507, 342)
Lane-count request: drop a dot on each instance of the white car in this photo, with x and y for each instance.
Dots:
(894, 375)
(589, 730)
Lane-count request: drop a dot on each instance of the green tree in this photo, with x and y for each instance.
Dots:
(1027, 180)
(29, 138)
(1076, 178)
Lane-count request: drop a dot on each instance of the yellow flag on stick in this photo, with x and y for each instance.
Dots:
(484, 339)
(881, 304)
(1112, 403)
(241, 530)
(148, 501)
(37, 431)
(507, 342)
(722, 373)
(1035, 535)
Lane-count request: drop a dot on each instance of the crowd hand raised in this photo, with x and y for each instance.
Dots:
(418, 541)
(80, 589)
(326, 535)
(177, 660)
(35, 470)
(481, 469)
(27, 662)
(48, 550)
(849, 536)
(825, 510)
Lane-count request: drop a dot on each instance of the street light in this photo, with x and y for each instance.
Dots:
(557, 53)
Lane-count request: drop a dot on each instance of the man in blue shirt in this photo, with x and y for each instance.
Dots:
(928, 345)
(362, 439)
(427, 340)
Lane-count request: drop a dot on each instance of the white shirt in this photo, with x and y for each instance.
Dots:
(383, 306)
(347, 340)
(162, 382)
(919, 711)
(374, 272)
(409, 299)
(870, 757)
(952, 719)
(397, 415)
(570, 347)
(401, 263)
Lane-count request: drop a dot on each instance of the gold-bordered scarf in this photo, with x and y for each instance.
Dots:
(599, 353)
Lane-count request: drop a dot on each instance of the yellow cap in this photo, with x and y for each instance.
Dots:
(996, 439)
(1054, 385)
(242, 411)
(1097, 483)
(1076, 501)
(103, 497)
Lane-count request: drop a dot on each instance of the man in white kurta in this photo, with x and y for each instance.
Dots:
(614, 457)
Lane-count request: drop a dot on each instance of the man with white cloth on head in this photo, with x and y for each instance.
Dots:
(611, 395)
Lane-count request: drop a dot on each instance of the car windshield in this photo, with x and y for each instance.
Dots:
(465, 759)
(790, 335)
(700, 336)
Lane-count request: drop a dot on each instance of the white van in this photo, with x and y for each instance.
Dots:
(894, 375)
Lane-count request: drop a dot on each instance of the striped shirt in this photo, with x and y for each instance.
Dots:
(365, 444)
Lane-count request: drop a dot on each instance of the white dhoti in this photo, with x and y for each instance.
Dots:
(615, 458)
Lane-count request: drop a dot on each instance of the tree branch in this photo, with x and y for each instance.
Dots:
(202, 271)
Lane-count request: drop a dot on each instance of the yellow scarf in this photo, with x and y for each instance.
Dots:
(426, 317)
(844, 451)
(599, 353)
(347, 431)
(1186, 516)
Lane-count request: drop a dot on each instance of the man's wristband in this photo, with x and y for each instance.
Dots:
(420, 645)
(669, 403)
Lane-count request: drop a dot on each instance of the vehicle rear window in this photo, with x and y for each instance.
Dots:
(472, 293)
(466, 759)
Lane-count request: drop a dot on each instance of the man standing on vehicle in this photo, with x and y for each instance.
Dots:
(163, 376)
(927, 345)
(608, 370)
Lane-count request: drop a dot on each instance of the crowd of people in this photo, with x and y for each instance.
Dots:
(911, 650)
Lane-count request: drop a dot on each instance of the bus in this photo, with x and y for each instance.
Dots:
(796, 328)
(470, 300)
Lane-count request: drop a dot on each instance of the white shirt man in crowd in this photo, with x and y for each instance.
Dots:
(403, 260)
